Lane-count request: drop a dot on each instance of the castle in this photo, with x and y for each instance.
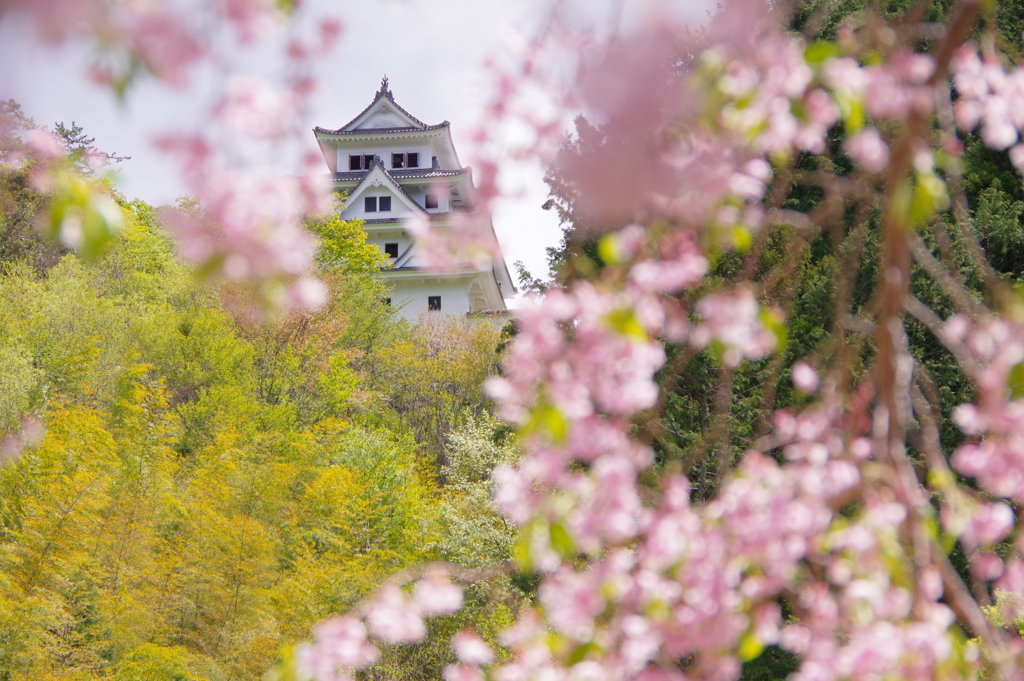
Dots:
(391, 167)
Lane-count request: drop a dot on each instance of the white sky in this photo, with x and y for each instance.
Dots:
(432, 51)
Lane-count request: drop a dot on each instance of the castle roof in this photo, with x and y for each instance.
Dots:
(403, 174)
(378, 170)
(384, 94)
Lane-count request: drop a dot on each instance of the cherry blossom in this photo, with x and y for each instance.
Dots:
(471, 649)
(340, 642)
(805, 378)
(868, 150)
(844, 508)
(436, 595)
(395, 618)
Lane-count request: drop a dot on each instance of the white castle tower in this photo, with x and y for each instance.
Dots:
(392, 166)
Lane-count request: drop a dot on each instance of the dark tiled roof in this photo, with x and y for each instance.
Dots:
(435, 217)
(384, 92)
(351, 175)
(489, 313)
(426, 172)
(367, 131)
(459, 269)
(375, 163)
(401, 173)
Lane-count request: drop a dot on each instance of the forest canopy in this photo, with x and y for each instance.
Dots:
(188, 487)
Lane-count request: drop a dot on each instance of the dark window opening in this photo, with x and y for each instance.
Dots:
(385, 203)
(433, 163)
(430, 201)
(391, 250)
(433, 302)
(387, 301)
(370, 204)
(367, 160)
(412, 160)
(397, 160)
(355, 162)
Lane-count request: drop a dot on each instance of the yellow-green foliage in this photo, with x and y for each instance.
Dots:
(206, 488)
(434, 378)
(343, 245)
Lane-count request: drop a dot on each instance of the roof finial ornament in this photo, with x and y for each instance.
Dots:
(384, 86)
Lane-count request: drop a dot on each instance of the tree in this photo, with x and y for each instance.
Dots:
(433, 380)
(187, 490)
(776, 179)
(743, 168)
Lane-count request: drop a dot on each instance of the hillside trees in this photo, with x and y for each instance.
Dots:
(209, 482)
(846, 535)
(434, 378)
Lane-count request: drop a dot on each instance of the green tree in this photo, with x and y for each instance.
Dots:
(433, 379)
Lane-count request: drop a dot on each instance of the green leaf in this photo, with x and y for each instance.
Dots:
(561, 540)
(625, 322)
(750, 647)
(853, 113)
(775, 322)
(608, 250)
(820, 51)
(580, 652)
(521, 552)
(545, 418)
(929, 196)
(741, 238)
(1015, 380)
(82, 216)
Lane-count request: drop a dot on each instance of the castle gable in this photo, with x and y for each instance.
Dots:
(383, 113)
(365, 202)
(393, 169)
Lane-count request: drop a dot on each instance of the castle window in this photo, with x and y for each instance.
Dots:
(370, 204)
(434, 303)
(430, 201)
(391, 250)
(433, 163)
(385, 203)
(412, 160)
(397, 160)
(359, 161)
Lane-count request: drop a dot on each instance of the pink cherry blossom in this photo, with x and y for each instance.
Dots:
(395, 618)
(471, 649)
(436, 595)
(868, 150)
(255, 108)
(805, 378)
(163, 40)
(733, 321)
(461, 672)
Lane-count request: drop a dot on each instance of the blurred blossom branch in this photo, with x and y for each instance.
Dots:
(246, 224)
(744, 213)
(724, 166)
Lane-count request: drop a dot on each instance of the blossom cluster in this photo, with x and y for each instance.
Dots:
(342, 645)
(245, 222)
(822, 514)
(829, 513)
(992, 96)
